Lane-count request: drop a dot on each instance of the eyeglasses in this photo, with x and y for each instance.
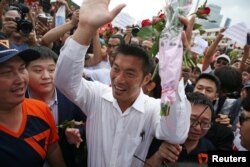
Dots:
(203, 125)
(222, 62)
(243, 118)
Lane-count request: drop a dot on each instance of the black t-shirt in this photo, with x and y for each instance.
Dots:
(221, 136)
(203, 146)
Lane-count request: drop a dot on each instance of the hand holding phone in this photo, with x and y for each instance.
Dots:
(43, 20)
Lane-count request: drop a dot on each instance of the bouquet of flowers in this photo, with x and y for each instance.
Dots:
(166, 31)
(171, 51)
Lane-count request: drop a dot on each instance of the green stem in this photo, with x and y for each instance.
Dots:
(155, 71)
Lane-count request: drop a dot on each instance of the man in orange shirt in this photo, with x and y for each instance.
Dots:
(27, 129)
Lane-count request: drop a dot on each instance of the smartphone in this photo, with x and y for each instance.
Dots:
(248, 39)
(43, 20)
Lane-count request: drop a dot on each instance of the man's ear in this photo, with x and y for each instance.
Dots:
(146, 79)
(150, 86)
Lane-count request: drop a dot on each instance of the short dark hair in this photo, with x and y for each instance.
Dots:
(45, 53)
(210, 77)
(136, 51)
(230, 78)
(198, 98)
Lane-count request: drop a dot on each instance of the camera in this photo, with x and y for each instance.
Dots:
(135, 30)
(24, 26)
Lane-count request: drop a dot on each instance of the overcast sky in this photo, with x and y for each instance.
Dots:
(237, 10)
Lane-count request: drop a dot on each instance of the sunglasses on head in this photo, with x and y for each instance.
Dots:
(223, 62)
(243, 118)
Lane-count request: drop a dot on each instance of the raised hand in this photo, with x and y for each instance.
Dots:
(187, 34)
(223, 119)
(94, 14)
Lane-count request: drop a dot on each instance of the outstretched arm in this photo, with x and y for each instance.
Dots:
(68, 76)
(93, 14)
(243, 64)
(57, 32)
(211, 50)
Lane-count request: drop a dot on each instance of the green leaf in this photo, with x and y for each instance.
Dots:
(159, 26)
(197, 26)
(154, 50)
(156, 70)
(202, 31)
(146, 32)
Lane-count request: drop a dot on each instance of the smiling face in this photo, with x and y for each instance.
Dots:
(127, 79)
(41, 74)
(14, 80)
(197, 131)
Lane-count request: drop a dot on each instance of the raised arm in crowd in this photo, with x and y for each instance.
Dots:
(122, 120)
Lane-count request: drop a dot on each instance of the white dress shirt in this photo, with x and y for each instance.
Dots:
(113, 137)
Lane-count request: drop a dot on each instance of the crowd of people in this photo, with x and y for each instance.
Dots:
(101, 80)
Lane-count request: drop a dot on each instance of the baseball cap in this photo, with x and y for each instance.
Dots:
(247, 84)
(225, 57)
(6, 52)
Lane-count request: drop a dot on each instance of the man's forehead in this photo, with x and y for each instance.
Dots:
(205, 80)
(199, 109)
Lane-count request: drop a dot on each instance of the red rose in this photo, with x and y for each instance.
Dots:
(162, 16)
(203, 11)
(146, 23)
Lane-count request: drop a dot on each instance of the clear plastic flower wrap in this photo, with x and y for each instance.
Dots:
(171, 51)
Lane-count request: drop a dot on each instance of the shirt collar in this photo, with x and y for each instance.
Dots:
(54, 100)
(51, 102)
(137, 105)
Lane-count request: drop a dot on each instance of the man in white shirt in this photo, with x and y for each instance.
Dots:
(102, 74)
(121, 119)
